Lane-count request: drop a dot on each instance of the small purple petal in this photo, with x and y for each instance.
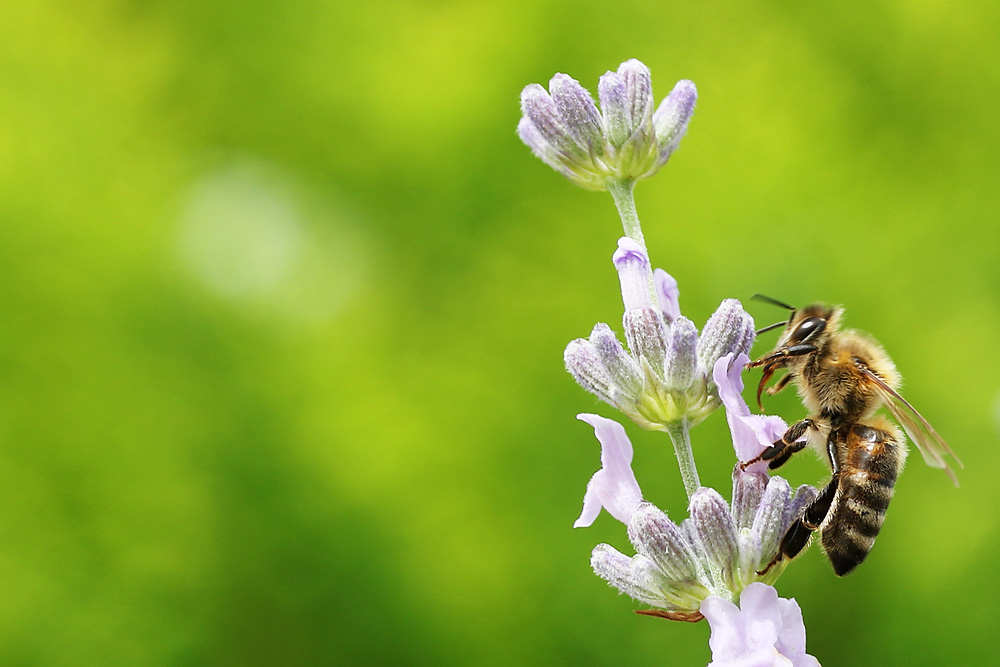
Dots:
(764, 631)
(613, 487)
(760, 602)
(755, 634)
(792, 638)
(632, 264)
(751, 433)
(666, 290)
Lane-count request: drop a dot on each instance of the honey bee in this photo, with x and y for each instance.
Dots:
(843, 378)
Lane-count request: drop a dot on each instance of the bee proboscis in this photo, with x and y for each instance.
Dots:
(843, 378)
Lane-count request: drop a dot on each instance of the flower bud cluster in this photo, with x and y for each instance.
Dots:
(665, 376)
(626, 140)
(721, 548)
(718, 550)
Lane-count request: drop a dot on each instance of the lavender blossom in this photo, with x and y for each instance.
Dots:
(666, 376)
(719, 550)
(624, 141)
(764, 630)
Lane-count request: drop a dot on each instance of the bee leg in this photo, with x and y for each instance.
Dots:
(798, 533)
(781, 450)
(780, 384)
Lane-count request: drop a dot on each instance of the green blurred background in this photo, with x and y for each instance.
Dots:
(283, 301)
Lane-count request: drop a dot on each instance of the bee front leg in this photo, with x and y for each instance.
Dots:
(780, 384)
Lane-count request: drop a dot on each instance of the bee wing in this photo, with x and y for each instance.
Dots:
(931, 445)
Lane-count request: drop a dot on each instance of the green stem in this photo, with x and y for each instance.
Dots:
(621, 191)
(680, 435)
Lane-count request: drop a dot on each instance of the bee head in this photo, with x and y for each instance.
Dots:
(804, 326)
(811, 325)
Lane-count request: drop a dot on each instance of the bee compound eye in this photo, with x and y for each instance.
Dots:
(808, 328)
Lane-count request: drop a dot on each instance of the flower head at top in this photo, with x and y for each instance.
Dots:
(667, 373)
(623, 141)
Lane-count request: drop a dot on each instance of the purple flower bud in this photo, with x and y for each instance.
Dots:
(681, 362)
(578, 112)
(671, 118)
(626, 376)
(539, 107)
(666, 290)
(584, 363)
(638, 93)
(614, 108)
(637, 577)
(542, 149)
(646, 334)
(613, 487)
(659, 539)
(716, 530)
(728, 331)
(748, 489)
(768, 524)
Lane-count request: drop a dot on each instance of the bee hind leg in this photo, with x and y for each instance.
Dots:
(798, 534)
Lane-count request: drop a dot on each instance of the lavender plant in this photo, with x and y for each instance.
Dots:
(668, 377)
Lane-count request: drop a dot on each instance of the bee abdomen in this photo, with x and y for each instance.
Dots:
(854, 522)
(866, 476)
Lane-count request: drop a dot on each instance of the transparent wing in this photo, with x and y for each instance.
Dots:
(931, 445)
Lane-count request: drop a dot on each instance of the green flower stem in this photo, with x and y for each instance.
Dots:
(621, 191)
(680, 435)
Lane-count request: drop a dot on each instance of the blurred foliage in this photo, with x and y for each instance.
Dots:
(284, 300)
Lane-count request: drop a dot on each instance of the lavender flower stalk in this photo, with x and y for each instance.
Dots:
(669, 378)
(721, 548)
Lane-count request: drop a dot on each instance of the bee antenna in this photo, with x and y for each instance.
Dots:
(772, 301)
(769, 327)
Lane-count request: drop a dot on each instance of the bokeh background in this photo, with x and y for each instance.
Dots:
(283, 301)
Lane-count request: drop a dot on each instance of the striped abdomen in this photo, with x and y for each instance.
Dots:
(868, 460)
